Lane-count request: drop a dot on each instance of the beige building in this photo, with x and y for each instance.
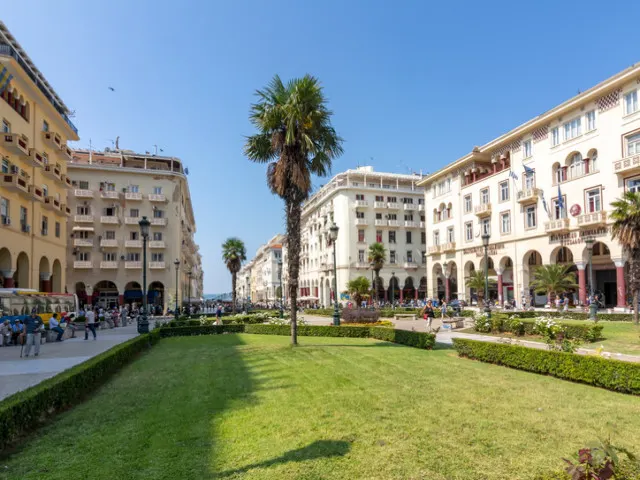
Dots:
(259, 280)
(34, 183)
(112, 191)
(543, 193)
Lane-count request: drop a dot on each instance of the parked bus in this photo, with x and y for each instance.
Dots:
(16, 304)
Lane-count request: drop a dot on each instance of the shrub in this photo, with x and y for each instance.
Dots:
(26, 410)
(516, 326)
(610, 374)
(249, 318)
(544, 326)
(182, 331)
(610, 317)
(310, 330)
(482, 323)
(404, 337)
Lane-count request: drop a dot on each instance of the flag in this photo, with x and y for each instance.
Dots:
(544, 204)
(560, 201)
(513, 175)
(5, 78)
(528, 170)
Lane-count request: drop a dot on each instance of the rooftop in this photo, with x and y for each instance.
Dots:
(126, 159)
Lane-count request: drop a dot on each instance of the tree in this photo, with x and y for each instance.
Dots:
(476, 282)
(358, 288)
(233, 254)
(377, 256)
(296, 139)
(553, 279)
(626, 229)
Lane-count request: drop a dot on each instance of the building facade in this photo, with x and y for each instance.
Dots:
(34, 183)
(367, 207)
(112, 191)
(543, 193)
(260, 279)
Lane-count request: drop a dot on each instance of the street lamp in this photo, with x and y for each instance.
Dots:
(177, 264)
(333, 235)
(393, 286)
(143, 323)
(280, 279)
(485, 244)
(372, 265)
(189, 274)
(593, 306)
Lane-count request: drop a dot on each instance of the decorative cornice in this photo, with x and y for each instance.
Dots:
(609, 101)
(540, 134)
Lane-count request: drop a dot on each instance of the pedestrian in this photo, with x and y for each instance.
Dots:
(31, 329)
(428, 314)
(565, 304)
(443, 309)
(218, 314)
(54, 326)
(16, 331)
(89, 324)
(5, 333)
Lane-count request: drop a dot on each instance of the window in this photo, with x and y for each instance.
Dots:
(559, 211)
(361, 256)
(109, 212)
(135, 235)
(4, 211)
(379, 198)
(591, 120)
(5, 165)
(594, 200)
(555, 136)
(83, 184)
(133, 257)
(408, 235)
(157, 257)
(386, 185)
(450, 236)
(633, 145)
(6, 127)
(378, 216)
(157, 190)
(359, 196)
(423, 238)
(45, 226)
(82, 234)
(530, 217)
(392, 256)
(484, 196)
(527, 148)
(504, 191)
(594, 162)
(134, 189)
(57, 227)
(83, 210)
(576, 167)
(110, 187)
(409, 256)
(634, 185)
(407, 200)
(392, 216)
(358, 214)
(468, 231)
(486, 226)
(436, 237)
(392, 200)
(84, 256)
(361, 236)
(631, 102)
(408, 217)
(505, 223)
(379, 236)
(572, 129)
(160, 214)
(45, 190)
(110, 235)
(529, 180)
(392, 236)
(110, 257)
(421, 201)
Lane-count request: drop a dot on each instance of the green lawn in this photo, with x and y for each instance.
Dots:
(619, 337)
(251, 407)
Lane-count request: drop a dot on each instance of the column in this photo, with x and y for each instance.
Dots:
(8, 278)
(45, 282)
(386, 295)
(401, 294)
(582, 283)
(447, 288)
(500, 287)
(415, 293)
(121, 300)
(621, 284)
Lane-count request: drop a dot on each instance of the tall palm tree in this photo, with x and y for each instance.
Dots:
(296, 138)
(626, 229)
(233, 254)
(476, 282)
(553, 279)
(377, 256)
(358, 287)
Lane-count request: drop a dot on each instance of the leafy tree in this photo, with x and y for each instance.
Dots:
(476, 282)
(233, 254)
(377, 256)
(296, 139)
(553, 279)
(626, 229)
(358, 288)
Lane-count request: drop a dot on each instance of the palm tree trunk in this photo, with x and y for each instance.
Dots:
(294, 211)
(634, 279)
(233, 290)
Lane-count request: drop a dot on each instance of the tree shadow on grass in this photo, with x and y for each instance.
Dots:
(313, 451)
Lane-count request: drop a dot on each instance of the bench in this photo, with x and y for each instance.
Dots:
(68, 333)
(454, 322)
(400, 316)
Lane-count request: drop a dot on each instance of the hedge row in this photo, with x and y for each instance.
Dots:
(26, 410)
(610, 374)
(589, 332)
(608, 317)
(184, 331)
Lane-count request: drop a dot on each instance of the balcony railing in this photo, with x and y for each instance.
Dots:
(53, 172)
(81, 193)
(410, 224)
(361, 221)
(108, 265)
(51, 139)
(449, 247)
(434, 249)
(156, 265)
(37, 193)
(82, 242)
(627, 165)
(394, 223)
(421, 224)
(109, 219)
(157, 197)
(380, 223)
(133, 265)
(108, 242)
(131, 220)
(83, 218)
(421, 207)
(82, 264)
(156, 244)
(66, 210)
(16, 144)
(483, 210)
(592, 219)
(361, 265)
(17, 183)
(361, 203)
(109, 194)
(379, 204)
(557, 226)
(528, 195)
(133, 196)
(66, 153)
(36, 158)
(410, 206)
(67, 181)
(393, 205)
(133, 243)
(159, 222)
(410, 265)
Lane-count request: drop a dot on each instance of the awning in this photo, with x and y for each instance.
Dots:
(83, 229)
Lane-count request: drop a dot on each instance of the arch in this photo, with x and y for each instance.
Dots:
(558, 173)
(21, 276)
(422, 289)
(155, 294)
(105, 294)
(327, 292)
(452, 271)
(561, 254)
(505, 287)
(530, 261)
(393, 291)
(575, 164)
(492, 270)
(81, 292)
(44, 271)
(408, 290)
(133, 293)
(5, 268)
(56, 276)
(592, 160)
(379, 288)
(469, 268)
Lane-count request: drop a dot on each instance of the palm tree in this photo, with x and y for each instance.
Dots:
(233, 254)
(358, 287)
(476, 282)
(626, 228)
(553, 279)
(296, 139)
(377, 256)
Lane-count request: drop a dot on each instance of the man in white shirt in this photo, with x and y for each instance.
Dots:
(54, 326)
(89, 323)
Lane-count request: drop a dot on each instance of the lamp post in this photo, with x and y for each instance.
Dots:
(280, 280)
(593, 306)
(372, 265)
(177, 264)
(189, 274)
(333, 235)
(393, 292)
(485, 244)
(143, 323)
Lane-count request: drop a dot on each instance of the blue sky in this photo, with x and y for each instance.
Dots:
(414, 85)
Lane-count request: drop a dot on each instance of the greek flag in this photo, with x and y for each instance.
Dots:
(513, 175)
(560, 200)
(544, 204)
(5, 78)
(528, 170)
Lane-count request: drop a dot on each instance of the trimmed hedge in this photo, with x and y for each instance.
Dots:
(590, 332)
(404, 337)
(310, 330)
(24, 411)
(185, 331)
(610, 374)
(607, 317)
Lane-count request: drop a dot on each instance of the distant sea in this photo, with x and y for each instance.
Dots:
(217, 296)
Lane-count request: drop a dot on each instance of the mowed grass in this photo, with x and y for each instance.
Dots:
(251, 407)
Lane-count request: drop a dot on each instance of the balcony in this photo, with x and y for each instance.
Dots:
(82, 242)
(66, 210)
(449, 247)
(52, 203)
(133, 243)
(528, 195)
(394, 223)
(81, 193)
(67, 181)
(411, 265)
(157, 265)
(410, 206)
(380, 223)
(53, 172)
(393, 205)
(421, 225)
(592, 219)
(483, 210)
(82, 264)
(132, 196)
(157, 197)
(410, 224)
(66, 153)
(16, 144)
(37, 193)
(133, 265)
(159, 222)
(109, 194)
(434, 250)
(108, 265)
(421, 207)
(16, 183)
(627, 165)
(109, 219)
(51, 139)
(361, 265)
(361, 221)
(109, 243)
(83, 218)
(131, 220)
(36, 158)
(379, 205)
(156, 244)
(557, 226)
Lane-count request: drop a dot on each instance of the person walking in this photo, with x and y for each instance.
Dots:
(428, 314)
(218, 314)
(5, 333)
(31, 329)
(443, 309)
(54, 326)
(89, 324)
